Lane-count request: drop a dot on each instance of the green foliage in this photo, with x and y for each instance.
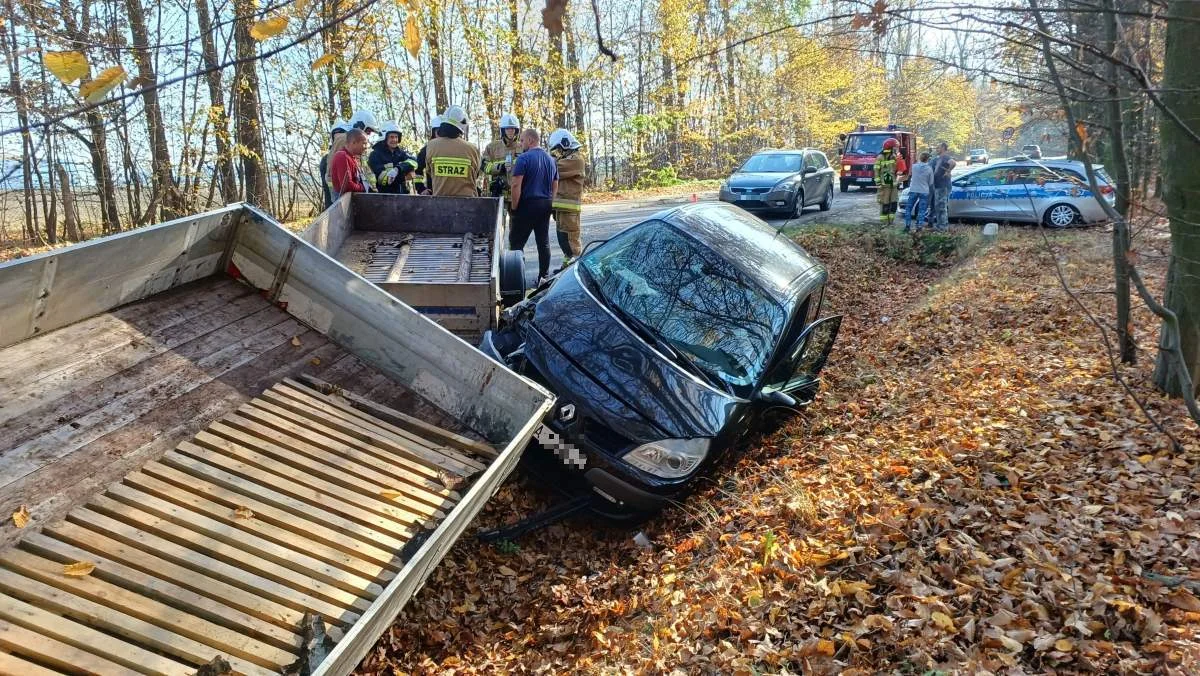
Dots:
(658, 178)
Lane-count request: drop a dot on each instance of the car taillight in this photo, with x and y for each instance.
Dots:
(1106, 190)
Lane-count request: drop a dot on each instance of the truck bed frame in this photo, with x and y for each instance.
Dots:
(244, 438)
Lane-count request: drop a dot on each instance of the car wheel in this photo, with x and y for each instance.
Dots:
(512, 278)
(827, 203)
(798, 209)
(1061, 216)
(845, 186)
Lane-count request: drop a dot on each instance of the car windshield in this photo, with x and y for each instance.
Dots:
(776, 163)
(691, 298)
(865, 144)
(979, 151)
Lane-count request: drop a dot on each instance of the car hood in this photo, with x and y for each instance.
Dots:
(588, 358)
(758, 179)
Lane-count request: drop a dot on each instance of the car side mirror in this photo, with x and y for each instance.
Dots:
(774, 398)
(810, 170)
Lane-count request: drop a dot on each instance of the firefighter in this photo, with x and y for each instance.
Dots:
(421, 182)
(499, 156)
(889, 175)
(336, 134)
(364, 120)
(454, 164)
(392, 165)
(567, 203)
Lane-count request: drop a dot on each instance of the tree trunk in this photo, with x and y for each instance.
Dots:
(1121, 240)
(246, 109)
(1181, 183)
(434, 39)
(514, 60)
(576, 77)
(160, 152)
(16, 91)
(70, 215)
(558, 79)
(216, 94)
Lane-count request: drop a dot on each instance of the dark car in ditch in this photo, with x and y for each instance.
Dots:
(666, 345)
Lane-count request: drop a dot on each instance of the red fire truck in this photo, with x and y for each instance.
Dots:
(860, 147)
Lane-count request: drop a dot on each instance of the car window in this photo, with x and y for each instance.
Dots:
(694, 299)
(820, 161)
(989, 177)
(865, 144)
(773, 163)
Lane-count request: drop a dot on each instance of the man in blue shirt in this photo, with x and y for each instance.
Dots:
(534, 184)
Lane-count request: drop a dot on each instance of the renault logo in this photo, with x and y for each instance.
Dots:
(566, 413)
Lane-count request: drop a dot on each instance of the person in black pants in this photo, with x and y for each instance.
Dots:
(534, 183)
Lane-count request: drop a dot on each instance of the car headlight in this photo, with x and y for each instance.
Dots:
(786, 186)
(845, 167)
(669, 458)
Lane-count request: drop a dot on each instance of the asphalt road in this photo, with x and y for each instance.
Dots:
(602, 221)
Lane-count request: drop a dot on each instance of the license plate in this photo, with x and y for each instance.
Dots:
(865, 180)
(745, 197)
(565, 450)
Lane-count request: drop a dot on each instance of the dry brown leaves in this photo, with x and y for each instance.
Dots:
(970, 493)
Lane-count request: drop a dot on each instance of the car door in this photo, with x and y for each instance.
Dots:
(808, 173)
(799, 372)
(979, 194)
(826, 173)
(1028, 192)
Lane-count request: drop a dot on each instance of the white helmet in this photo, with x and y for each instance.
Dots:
(436, 121)
(562, 138)
(341, 125)
(390, 128)
(363, 119)
(509, 121)
(457, 117)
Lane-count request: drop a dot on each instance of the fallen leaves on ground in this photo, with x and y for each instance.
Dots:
(971, 492)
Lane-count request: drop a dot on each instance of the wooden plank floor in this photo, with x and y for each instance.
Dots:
(83, 405)
(177, 446)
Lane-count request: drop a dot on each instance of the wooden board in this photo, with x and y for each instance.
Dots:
(288, 505)
(47, 291)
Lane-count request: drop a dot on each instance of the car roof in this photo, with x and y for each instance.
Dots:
(782, 267)
(783, 151)
(1069, 164)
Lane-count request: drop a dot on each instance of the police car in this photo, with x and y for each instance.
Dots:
(1052, 192)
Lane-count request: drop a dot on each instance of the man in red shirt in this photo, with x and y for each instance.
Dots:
(345, 172)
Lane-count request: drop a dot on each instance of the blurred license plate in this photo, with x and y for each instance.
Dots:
(865, 180)
(745, 197)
